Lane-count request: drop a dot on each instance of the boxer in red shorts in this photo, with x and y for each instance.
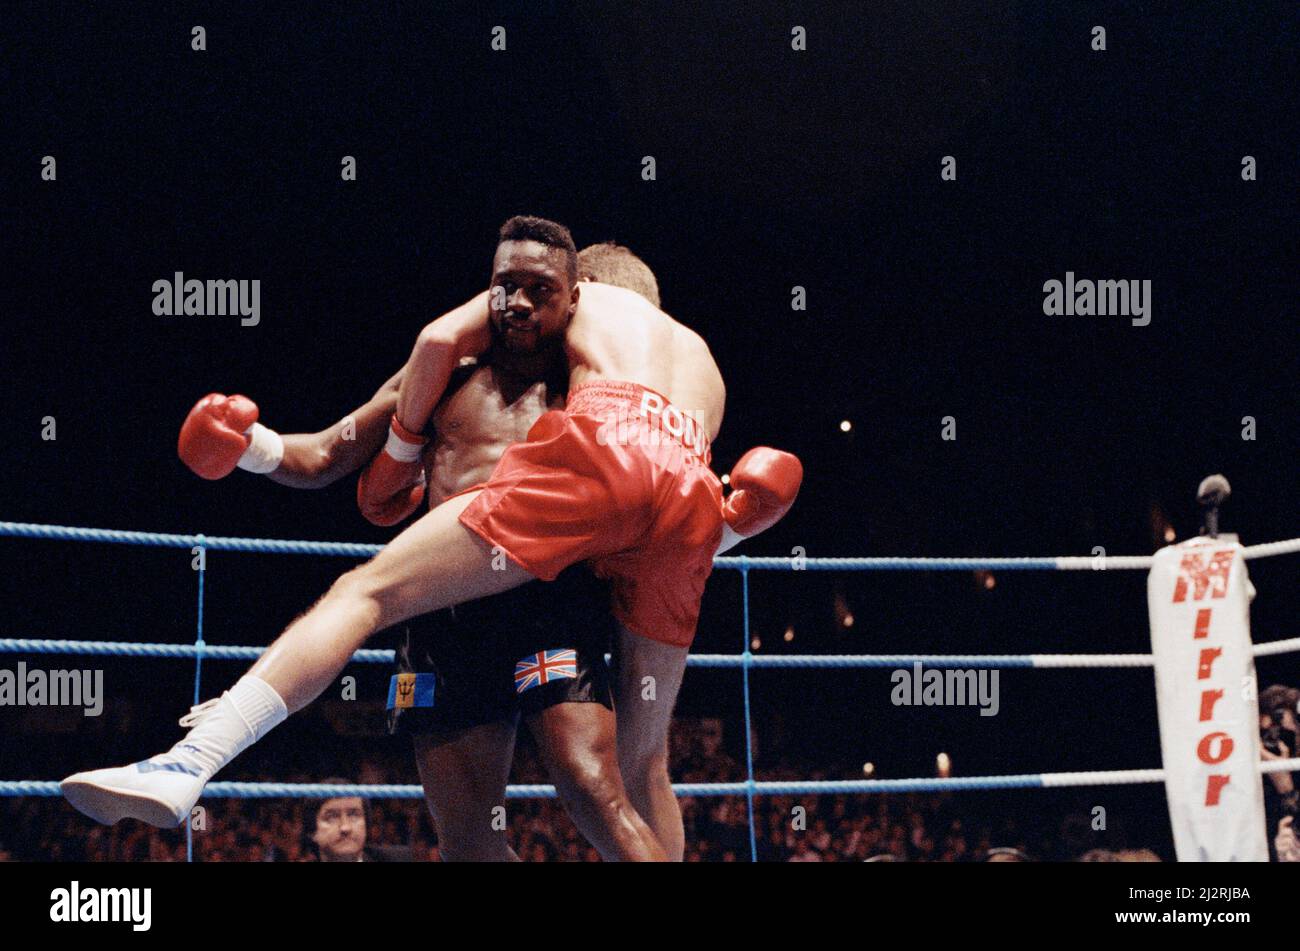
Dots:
(619, 477)
(642, 506)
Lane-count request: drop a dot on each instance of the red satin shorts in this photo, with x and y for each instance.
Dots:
(620, 477)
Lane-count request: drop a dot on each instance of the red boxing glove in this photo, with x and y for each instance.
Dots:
(392, 486)
(213, 435)
(764, 484)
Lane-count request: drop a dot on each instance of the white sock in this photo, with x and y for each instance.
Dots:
(245, 713)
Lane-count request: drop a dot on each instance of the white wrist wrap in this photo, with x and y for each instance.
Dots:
(264, 453)
(401, 450)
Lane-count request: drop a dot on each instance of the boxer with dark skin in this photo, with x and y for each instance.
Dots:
(464, 770)
(464, 757)
(620, 479)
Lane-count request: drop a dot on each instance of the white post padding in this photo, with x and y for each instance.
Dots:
(1198, 595)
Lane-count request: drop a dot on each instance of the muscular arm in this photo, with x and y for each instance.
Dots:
(441, 345)
(314, 460)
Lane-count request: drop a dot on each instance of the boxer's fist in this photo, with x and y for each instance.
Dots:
(764, 484)
(392, 486)
(213, 435)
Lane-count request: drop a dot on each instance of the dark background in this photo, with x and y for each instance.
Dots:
(775, 169)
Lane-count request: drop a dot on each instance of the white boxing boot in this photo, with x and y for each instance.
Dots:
(157, 791)
(162, 790)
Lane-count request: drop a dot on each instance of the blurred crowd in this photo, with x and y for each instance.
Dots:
(960, 827)
(939, 827)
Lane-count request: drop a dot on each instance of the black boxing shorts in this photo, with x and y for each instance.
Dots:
(490, 660)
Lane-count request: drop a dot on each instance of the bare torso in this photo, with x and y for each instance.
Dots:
(617, 334)
(475, 423)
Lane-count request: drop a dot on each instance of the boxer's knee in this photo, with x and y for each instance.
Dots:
(579, 748)
(589, 784)
(356, 584)
(577, 742)
(366, 591)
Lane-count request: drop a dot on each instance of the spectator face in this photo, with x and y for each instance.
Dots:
(1282, 700)
(341, 830)
(1288, 721)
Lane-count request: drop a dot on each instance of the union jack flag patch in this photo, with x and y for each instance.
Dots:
(537, 669)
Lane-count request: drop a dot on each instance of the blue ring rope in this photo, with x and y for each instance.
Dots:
(745, 661)
(22, 645)
(198, 672)
(277, 546)
(241, 790)
(749, 730)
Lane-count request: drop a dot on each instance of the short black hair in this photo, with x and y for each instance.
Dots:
(544, 231)
(1278, 697)
(610, 263)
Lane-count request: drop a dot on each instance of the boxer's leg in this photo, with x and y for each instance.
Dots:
(464, 774)
(577, 744)
(433, 564)
(647, 677)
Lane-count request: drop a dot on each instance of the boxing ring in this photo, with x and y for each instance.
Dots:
(745, 661)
